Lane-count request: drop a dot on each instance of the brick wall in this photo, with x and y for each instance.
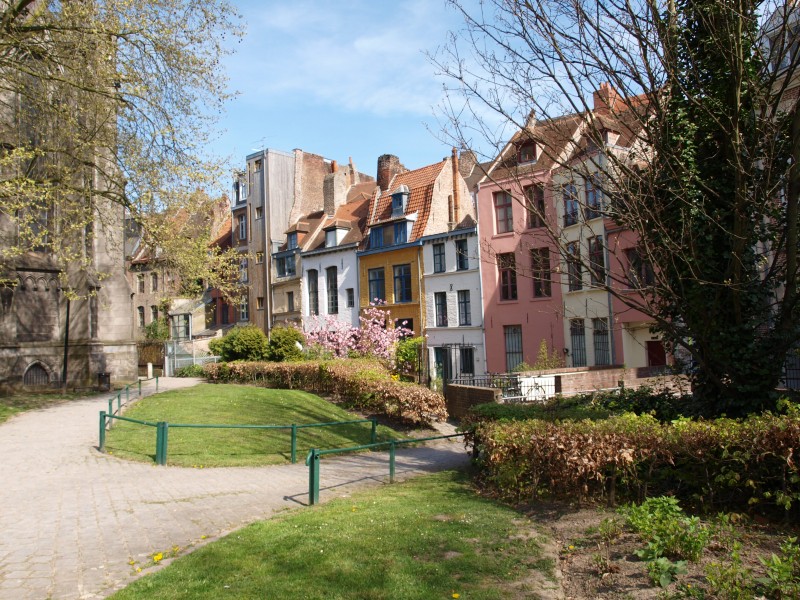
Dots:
(460, 398)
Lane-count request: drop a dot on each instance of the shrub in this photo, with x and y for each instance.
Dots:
(285, 343)
(246, 342)
(363, 384)
(190, 371)
(407, 354)
(157, 331)
(731, 464)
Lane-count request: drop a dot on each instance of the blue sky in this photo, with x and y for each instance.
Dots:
(339, 79)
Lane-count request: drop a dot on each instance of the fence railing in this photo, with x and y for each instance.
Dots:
(513, 387)
(163, 427)
(312, 459)
(127, 391)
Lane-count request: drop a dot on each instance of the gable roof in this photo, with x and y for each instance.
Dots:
(352, 215)
(420, 184)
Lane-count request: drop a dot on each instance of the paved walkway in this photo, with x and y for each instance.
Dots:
(71, 518)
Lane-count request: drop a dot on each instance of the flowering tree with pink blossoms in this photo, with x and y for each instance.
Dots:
(375, 337)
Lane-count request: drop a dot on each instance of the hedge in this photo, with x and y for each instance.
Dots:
(362, 384)
(724, 464)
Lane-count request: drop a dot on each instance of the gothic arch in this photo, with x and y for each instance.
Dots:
(36, 375)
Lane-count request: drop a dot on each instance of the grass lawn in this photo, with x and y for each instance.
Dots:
(235, 405)
(426, 538)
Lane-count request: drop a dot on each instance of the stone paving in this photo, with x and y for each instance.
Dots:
(72, 519)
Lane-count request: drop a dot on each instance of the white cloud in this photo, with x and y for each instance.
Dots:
(358, 55)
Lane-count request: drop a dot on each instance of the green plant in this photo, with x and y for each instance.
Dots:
(546, 359)
(246, 342)
(782, 579)
(157, 330)
(285, 344)
(190, 371)
(407, 354)
(668, 532)
(663, 571)
(731, 580)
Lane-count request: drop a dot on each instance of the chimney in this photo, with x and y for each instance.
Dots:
(456, 178)
(605, 99)
(388, 166)
(352, 171)
(334, 166)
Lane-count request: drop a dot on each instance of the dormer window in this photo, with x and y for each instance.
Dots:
(400, 201)
(400, 233)
(376, 237)
(291, 241)
(330, 238)
(526, 153)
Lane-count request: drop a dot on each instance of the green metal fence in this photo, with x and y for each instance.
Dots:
(127, 391)
(312, 460)
(163, 427)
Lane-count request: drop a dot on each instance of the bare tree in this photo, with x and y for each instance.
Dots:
(695, 151)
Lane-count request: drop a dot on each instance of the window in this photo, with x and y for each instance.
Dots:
(291, 241)
(313, 292)
(243, 187)
(180, 327)
(464, 309)
(640, 271)
(260, 303)
(259, 257)
(140, 283)
(290, 270)
(577, 333)
(440, 307)
(330, 238)
(153, 313)
(351, 297)
(140, 314)
(289, 301)
(243, 270)
(259, 212)
(526, 153)
(503, 212)
(438, 258)
(93, 316)
(602, 356)
(154, 282)
(440, 359)
(570, 195)
(285, 266)
(534, 195)
(377, 285)
(399, 203)
(405, 323)
(242, 227)
(462, 256)
(574, 267)
(402, 283)
(400, 233)
(508, 276)
(467, 361)
(244, 309)
(513, 339)
(597, 260)
(593, 206)
(332, 288)
(376, 237)
(540, 272)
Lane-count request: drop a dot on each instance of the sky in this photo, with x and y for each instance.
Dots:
(340, 79)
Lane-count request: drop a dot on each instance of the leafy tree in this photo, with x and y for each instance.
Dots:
(246, 342)
(703, 93)
(285, 343)
(106, 108)
(157, 330)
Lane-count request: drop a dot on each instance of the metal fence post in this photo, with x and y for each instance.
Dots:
(156, 384)
(313, 477)
(162, 435)
(294, 443)
(119, 401)
(102, 445)
(374, 434)
(140, 387)
(127, 394)
(111, 406)
(391, 462)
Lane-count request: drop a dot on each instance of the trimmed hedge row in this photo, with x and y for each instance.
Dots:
(723, 464)
(362, 384)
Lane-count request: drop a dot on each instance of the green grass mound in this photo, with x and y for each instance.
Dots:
(430, 537)
(208, 404)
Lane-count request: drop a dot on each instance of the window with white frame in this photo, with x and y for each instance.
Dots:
(464, 308)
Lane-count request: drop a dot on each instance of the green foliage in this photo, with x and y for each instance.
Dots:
(663, 571)
(190, 371)
(667, 530)
(731, 579)
(546, 359)
(783, 572)
(246, 342)
(365, 385)
(407, 354)
(285, 343)
(157, 330)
